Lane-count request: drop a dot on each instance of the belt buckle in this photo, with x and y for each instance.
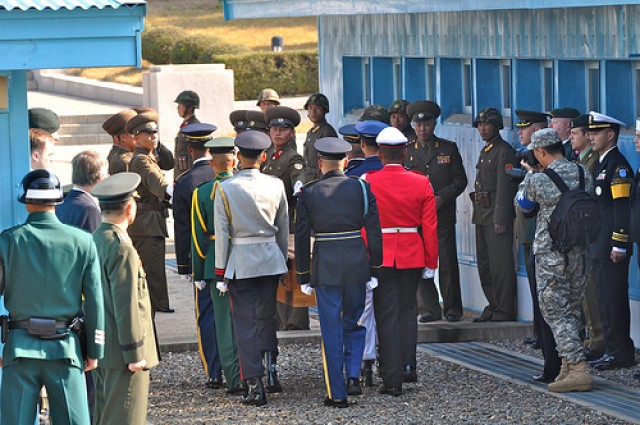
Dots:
(397, 230)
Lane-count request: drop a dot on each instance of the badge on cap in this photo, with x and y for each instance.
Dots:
(280, 120)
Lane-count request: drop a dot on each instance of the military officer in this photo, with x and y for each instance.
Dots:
(635, 207)
(335, 208)
(580, 142)
(561, 122)
(268, 98)
(408, 218)
(611, 251)
(355, 156)
(440, 160)
(252, 231)
(200, 172)
(400, 119)
(256, 121)
(122, 377)
(188, 101)
(163, 155)
(203, 257)
(561, 277)
(121, 152)
(317, 107)
(149, 229)
(43, 292)
(493, 215)
(238, 120)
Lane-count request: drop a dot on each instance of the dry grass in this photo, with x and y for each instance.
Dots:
(205, 18)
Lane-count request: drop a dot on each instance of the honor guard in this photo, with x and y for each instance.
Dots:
(561, 122)
(367, 131)
(355, 156)
(188, 101)
(440, 160)
(408, 219)
(149, 230)
(44, 291)
(196, 135)
(251, 244)
(203, 258)
(121, 152)
(317, 107)
(493, 215)
(400, 119)
(122, 377)
(334, 209)
(611, 251)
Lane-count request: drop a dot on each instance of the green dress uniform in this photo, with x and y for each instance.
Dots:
(440, 160)
(46, 268)
(122, 395)
(149, 229)
(203, 266)
(493, 204)
(119, 159)
(318, 131)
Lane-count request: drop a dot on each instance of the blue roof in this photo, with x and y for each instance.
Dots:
(65, 4)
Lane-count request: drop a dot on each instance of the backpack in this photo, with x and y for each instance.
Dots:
(576, 218)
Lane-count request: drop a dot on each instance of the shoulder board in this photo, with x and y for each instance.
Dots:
(182, 174)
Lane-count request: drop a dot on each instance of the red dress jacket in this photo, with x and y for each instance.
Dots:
(405, 199)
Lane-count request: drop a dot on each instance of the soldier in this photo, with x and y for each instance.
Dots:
(41, 144)
(268, 98)
(149, 229)
(440, 160)
(561, 122)
(188, 101)
(493, 215)
(580, 142)
(635, 207)
(561, 277)
(203, 258)
(252, 230)
(376, 113)
(317, 106)
(121, 152)
(44, 294)
(400, 119)
(407, 206)
(46, 120)
(238, 120)
(355, 156)
(256, 121)
(200, 172)
(609, 253)
(335, 208)
(162, 154)
(122, 378)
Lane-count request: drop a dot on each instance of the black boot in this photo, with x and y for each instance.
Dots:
(273, 385)
(256, 395)
(366, 373)
(409, 374)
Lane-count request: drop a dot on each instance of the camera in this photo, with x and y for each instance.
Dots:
(527, 156)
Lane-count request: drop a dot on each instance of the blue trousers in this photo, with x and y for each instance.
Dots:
(339, 308)
(206, 324)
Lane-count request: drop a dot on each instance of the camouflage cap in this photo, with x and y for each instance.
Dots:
(188, 98)
(399, 107)
(489, 115)
(268, 94)
(44, 119)
(375, 113)
(318, 99)
(543, 138)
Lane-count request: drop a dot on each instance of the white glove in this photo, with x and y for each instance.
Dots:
(200, 284)
(222, 286)
(373, 283)
(186, 278)
(306, 289)
(428, 273)
(296, 188)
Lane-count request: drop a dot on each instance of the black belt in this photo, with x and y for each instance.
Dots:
(24, 324)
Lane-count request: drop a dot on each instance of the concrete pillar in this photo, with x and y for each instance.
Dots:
(212, 82)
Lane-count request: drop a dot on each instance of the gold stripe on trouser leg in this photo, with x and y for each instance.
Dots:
(326, 370)
(203, 359)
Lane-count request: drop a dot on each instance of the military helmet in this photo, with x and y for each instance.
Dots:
(376, 113)
(40, 187)
(489, 115)
(318, 99)
(188, 98)
(399, 107)
(268, 94)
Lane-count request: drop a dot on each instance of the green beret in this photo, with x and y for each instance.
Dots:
(44, 119)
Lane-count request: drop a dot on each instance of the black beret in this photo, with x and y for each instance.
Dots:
(44, 119)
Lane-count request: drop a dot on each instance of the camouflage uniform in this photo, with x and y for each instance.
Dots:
(561, 279)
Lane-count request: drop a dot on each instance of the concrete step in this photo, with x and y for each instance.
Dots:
(101, 138)
(90, 128)
(84, 119)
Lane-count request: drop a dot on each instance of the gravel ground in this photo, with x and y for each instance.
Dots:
(445, 394)
(621, 376)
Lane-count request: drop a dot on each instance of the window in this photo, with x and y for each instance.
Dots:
(383, 81)
(431, 80)
(467, 86)
(505, 70)
(355, 83)
(397, 78)
(547, 85)
(593, 86)
(366, 77)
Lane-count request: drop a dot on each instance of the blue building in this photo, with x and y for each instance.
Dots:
(471, 54)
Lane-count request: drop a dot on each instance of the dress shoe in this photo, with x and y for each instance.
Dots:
(426, 318)
(409, 374)
(256, 395)
(481, 319)
(592, 355)
(542, 378)
(165, 310)
(530, 340)
(636, 374)
(215, 383)
(453, 317)
(240, 389)
(608, 362)
(396, 392)
(353, 386)
(273, 384)
(366, 373)
(341, 404)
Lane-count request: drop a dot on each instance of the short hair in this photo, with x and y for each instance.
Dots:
(556, 148)
(38, 138)
(392, 153)
(87, 168)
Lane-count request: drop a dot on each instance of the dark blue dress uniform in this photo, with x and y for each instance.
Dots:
(199, 173)
(335, 208)
(612, 178)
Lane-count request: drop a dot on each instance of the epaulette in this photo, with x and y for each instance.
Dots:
(182, 174)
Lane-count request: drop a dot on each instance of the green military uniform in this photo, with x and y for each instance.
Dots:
(440, 160)
(183, 160)
(493, 204)
(203, 266)
(119, 159)
(46, 267)
(318, 131)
